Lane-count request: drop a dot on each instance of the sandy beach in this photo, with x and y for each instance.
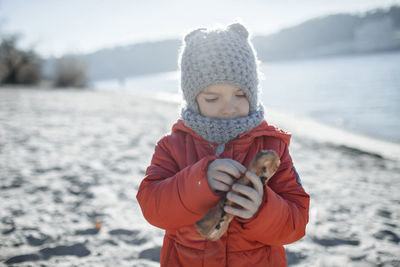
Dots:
(71, 162)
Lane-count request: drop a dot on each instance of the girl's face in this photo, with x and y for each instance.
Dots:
(223, 101)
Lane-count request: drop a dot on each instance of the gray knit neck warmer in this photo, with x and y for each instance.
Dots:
(221, 131)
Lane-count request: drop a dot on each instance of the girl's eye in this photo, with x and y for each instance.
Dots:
(209, 100)
(241, 95)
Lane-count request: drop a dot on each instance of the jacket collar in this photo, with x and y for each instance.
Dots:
(263, 129)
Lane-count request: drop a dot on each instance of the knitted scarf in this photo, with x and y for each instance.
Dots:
(221, 131)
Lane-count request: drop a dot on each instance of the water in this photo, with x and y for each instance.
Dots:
(360, 93)
(357, 93)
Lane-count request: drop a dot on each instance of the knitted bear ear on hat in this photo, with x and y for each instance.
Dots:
(240, 29)
(192, 33)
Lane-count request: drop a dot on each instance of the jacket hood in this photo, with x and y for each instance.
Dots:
(263, 129)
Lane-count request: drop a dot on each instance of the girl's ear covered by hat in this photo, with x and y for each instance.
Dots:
(240, 29)
(192, 33)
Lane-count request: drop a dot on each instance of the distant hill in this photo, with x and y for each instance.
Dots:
(137, 59)
(374, 31)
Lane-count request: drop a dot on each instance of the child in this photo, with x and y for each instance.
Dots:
(221, 129)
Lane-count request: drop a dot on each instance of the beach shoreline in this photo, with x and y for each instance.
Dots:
(71, 159)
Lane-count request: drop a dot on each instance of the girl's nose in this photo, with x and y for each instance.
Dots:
(228, 109)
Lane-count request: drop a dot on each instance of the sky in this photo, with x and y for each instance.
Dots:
(58, 27)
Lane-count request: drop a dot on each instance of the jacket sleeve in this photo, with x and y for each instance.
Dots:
(283, 215)
(171, 198)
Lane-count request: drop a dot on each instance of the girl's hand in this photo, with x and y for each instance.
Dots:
(248, 198)
(222, 173)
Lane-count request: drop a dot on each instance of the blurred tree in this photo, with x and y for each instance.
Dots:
(71, 71)
(18, 66)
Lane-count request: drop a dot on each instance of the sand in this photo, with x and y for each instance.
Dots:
(71, 162)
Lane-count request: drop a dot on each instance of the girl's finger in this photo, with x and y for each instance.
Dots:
(241, 201)
(244, 214)
(228, 167)
(218, 186)
(242, 169)
(255, 180)
(247, 191)
(222, 177)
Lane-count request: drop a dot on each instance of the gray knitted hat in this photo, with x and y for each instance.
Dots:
(222, 55)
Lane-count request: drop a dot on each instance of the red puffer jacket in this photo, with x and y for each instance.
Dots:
(175, 194)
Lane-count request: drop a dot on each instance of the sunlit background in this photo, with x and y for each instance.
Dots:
(57, 27)
(87, 87)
